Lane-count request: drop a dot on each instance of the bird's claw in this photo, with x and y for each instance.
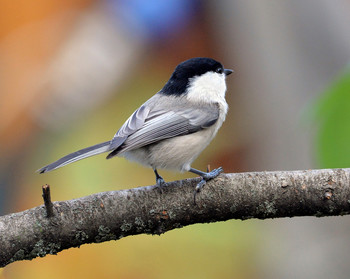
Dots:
(160, 181)
(212, 174)
(206, 177)
(200, 185)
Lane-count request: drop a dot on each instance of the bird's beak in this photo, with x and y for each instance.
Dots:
(228, 72)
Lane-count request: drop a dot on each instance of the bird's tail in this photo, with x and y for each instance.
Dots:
(78, 155)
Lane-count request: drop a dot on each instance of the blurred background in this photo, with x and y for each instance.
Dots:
(71, 72)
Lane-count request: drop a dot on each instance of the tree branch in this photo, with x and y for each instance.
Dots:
(151, 210)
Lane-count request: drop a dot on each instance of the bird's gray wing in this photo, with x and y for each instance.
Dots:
(163, 124)
(134, 123)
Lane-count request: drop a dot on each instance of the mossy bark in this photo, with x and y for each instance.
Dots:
(151, 210)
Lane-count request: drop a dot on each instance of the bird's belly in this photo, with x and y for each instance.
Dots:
(179, 153)
(172, 154)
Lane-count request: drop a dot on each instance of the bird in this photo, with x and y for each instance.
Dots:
(173, 127)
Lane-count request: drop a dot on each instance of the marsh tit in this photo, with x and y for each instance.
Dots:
(174, 126)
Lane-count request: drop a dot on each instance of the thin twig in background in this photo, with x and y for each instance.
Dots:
(47, 200)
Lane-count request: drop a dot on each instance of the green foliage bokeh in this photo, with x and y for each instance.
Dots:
(333, 115)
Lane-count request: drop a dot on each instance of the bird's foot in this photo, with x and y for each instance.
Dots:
(160, 181)
(210, 175)
(206, 176)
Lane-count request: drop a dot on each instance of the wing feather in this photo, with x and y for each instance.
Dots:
(135, 122)
(148, 126)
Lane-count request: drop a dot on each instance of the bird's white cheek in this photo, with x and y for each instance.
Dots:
(210, 87)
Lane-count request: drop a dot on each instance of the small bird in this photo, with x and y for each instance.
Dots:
(174, 126)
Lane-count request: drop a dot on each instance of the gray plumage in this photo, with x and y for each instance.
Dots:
(154, 121)
(173, 127)
(76, 156)
(158, 119)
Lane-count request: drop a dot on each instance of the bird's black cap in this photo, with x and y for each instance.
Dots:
(179, 80)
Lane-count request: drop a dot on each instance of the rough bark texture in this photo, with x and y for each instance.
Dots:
(113, 215)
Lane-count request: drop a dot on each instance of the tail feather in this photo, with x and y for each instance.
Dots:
(76, 156)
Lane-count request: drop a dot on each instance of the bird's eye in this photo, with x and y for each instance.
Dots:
(219, 70)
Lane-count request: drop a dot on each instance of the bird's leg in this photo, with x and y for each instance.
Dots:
(159, 180)
(206, 176)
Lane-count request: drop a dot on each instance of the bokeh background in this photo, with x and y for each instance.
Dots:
(71, 72)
